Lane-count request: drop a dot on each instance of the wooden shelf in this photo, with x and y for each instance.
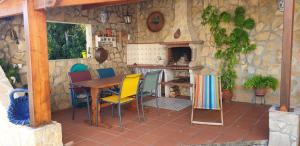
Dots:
(172, 43)
(173, 67)
(182, 84)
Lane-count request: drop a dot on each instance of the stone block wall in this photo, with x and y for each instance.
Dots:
(284, 127)
(10, 50)
(59, 84)
(266, 59)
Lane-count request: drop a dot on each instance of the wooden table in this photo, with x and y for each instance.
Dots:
(96, 85)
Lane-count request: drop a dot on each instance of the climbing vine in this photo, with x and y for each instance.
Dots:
(229, 45)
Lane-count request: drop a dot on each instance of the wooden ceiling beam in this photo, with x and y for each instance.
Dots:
(42, 4)
(10, 7)
(91, 6)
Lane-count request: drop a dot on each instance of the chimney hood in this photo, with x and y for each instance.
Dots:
(182, 29)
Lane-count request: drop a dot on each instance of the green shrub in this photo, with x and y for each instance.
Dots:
(259, 82)
(10, 71)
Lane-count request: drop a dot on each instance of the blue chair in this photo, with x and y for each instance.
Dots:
(108, 73)
(18, 111)
(78, 67)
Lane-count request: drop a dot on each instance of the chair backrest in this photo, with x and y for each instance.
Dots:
(207, 92)
(78, 67)
(78, 77)
(150, 82)
(106, 72)
(130, 85)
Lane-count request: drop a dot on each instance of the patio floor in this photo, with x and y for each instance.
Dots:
(242, 122)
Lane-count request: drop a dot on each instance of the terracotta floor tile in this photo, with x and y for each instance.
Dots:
(167, 142)
(133, 134)
(88, 143)
(257, 134)
(75, 138)
(236, 132)
(134, 143)
(102, 137)
(242, 121)
(118, 141)
(202, 138)
(115, 130)
(225, 138)
(148, 139)
(132, 124)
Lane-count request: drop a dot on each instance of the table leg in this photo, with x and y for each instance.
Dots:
(94, 93)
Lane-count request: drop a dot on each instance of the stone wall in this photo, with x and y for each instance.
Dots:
(266, 59)
(117, 56)
(16, 53)
(10, 50)
(284, 127)
(59, 69)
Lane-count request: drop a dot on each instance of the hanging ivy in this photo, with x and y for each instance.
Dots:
(229, 45)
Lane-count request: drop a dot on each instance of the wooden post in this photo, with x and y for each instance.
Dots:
(37, 60)
(287, 45)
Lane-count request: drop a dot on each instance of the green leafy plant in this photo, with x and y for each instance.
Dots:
(65, 41)
(10, 72)
(229, 45)
(261, 82)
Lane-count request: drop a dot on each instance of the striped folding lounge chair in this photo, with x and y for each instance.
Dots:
(207, 95)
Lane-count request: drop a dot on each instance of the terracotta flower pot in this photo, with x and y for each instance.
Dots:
(227, 95)
(260, 91)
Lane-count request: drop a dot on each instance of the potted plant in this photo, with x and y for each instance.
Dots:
(228, 82)
(260, 84)
(230, 43)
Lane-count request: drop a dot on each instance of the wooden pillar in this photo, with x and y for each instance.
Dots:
(287, 45)
(37, 60)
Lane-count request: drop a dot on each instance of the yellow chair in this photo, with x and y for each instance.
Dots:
(129, 89)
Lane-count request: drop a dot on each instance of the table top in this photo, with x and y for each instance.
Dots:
(100, 83)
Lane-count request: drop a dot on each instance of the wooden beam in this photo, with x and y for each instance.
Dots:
(10, 7)
(91, 6)
(37, 61)
(42, 4)
(287, 46)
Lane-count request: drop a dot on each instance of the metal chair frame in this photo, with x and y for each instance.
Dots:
(119, 104)
(74, 95)
(155, 90)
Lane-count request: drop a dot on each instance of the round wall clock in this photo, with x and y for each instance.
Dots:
(155, 21)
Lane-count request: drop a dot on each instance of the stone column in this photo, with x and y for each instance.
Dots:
(284, 127)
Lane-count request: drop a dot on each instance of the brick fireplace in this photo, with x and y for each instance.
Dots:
(180, 56)
(177, 55)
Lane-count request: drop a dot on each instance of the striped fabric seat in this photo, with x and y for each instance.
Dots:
(207, 92)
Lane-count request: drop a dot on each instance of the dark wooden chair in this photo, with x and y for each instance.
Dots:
(80, 96)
